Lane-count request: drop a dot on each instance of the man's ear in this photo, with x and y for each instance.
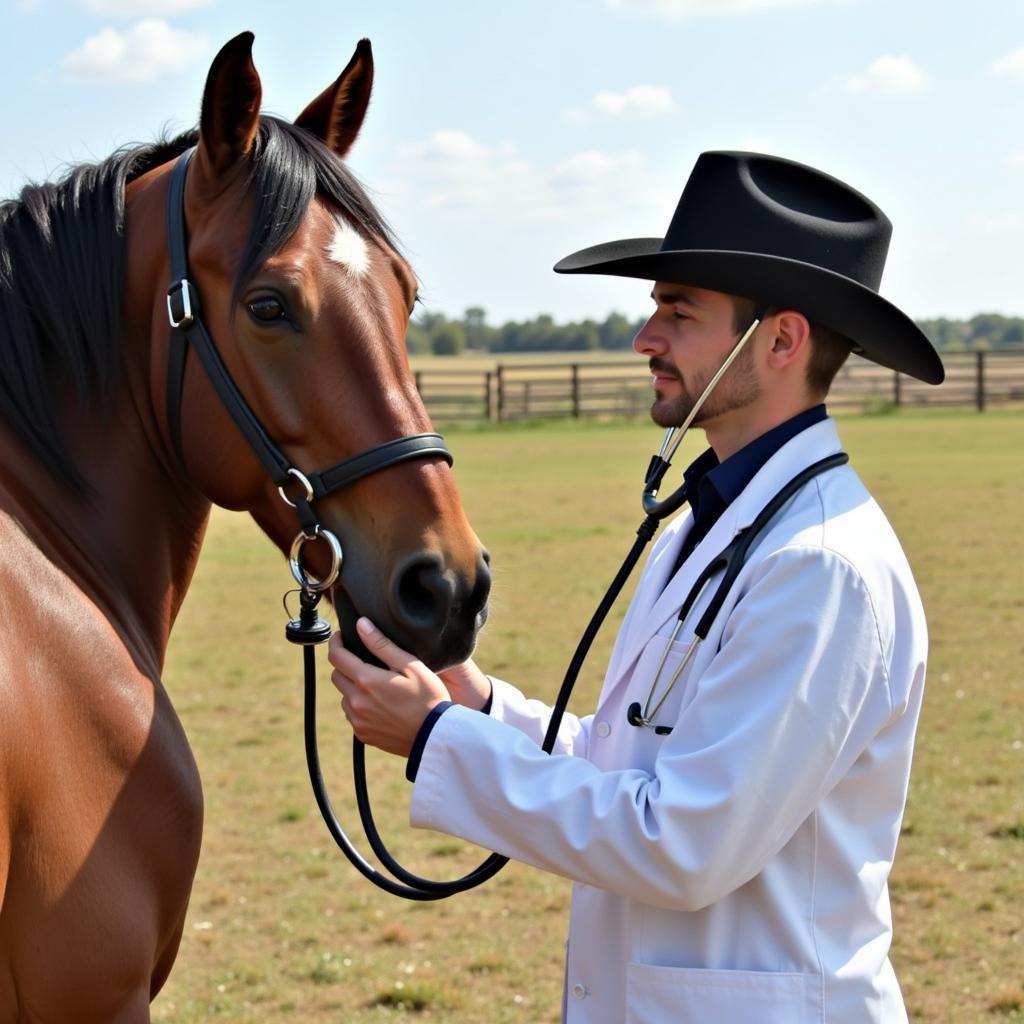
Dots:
(790, 338)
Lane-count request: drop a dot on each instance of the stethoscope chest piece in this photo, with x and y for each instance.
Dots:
(634, 715)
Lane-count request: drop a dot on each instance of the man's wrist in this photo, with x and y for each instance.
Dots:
(419, 744)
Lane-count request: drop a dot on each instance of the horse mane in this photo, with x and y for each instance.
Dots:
(62, 269)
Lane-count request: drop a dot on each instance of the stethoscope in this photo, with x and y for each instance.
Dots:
(309, 630)
(729, 562)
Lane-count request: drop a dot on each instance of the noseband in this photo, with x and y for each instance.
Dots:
(189, 331)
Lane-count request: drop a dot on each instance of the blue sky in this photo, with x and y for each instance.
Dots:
(504, 136)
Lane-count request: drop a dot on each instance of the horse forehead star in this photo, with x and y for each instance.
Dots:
(349, 248)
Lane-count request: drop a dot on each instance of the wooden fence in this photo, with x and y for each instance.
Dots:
(514, 391)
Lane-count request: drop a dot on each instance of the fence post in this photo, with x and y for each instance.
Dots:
(487, 396)
(526, 399)
(501, 392)
(897, 397)
(980, 381)
(575, 391)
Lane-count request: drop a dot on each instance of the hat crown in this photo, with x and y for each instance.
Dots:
(746, 202)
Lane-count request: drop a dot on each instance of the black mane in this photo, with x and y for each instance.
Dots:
(62, 269)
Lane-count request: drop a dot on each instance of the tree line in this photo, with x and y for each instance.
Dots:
(437, 334)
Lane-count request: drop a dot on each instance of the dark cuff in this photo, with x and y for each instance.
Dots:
(420, 743)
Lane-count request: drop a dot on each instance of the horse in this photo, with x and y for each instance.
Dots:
(105, 492)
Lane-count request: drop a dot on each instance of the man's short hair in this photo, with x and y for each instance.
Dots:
(829, 348)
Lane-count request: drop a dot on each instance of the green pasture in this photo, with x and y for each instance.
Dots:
(281, 929)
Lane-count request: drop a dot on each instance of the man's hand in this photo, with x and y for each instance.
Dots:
(467, 685)
(385, 706)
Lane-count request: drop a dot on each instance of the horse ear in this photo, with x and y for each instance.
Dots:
(336, 115)
(231, 106)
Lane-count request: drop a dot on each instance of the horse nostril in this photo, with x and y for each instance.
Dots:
(422, 594)
(482, 590)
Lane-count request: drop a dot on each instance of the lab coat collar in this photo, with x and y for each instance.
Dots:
(657, 599)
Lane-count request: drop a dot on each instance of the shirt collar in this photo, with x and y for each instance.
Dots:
(714, 485)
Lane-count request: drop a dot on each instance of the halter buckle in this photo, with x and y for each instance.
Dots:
(305, 581)
(179, 297)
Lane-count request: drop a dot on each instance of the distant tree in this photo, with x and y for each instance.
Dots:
(1014, 334)
(448, 339)
(579, 337)
(616, 332)
(479, 335)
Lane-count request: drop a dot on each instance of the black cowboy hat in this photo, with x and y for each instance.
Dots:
(783, 234)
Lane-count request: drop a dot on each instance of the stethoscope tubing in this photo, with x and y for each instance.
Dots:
(730, 562)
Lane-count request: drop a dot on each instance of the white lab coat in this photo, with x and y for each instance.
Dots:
(735, 871)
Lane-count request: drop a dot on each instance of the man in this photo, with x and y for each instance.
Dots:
(729, 817)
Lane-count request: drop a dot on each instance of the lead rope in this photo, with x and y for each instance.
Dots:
(309, 631)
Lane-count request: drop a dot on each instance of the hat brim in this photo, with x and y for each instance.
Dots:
(881, 332)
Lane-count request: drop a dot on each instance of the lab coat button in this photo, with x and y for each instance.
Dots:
(603, 729)
(579, 991)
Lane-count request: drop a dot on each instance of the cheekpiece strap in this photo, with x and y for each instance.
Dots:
(183, 312)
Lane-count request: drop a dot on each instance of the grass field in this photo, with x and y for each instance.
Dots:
(282, 929)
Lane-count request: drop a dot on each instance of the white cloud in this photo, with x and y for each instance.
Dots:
(1016, 158)
(889, 76)
(145, 51)
(639, 102)
(681, 9)
(457, 173)
(140, 8)
(1011, 65)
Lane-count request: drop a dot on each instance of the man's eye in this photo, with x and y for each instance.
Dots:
(266, 309)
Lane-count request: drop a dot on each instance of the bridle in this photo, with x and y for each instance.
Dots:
(189, 332)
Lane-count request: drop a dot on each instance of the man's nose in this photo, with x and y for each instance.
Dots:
(648, 342)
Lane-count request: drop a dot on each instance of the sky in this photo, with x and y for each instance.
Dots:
(502, 137)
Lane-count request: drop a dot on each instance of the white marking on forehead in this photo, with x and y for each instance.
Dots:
(349, 248)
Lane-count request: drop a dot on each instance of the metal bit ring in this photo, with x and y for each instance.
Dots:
(307, 582)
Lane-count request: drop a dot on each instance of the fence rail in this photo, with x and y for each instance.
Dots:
(513, 391)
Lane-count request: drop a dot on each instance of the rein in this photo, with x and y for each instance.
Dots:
(189, 332)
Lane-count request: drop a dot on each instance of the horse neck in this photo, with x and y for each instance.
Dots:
(132, 541)
(130, 544)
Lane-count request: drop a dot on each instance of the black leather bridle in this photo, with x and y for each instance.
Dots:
(189, 332)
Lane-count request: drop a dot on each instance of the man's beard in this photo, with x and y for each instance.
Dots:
(736, 390)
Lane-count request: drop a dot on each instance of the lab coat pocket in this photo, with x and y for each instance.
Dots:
(659, 995)
(662, 677)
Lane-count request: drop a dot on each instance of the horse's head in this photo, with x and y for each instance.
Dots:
(308, 302)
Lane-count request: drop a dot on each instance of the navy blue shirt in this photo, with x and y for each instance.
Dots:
(711, 487)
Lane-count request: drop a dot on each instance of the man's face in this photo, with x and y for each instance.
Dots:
(686, 340)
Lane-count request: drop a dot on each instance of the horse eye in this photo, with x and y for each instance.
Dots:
(266, 309)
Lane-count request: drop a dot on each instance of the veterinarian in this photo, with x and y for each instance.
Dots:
(730, 812)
